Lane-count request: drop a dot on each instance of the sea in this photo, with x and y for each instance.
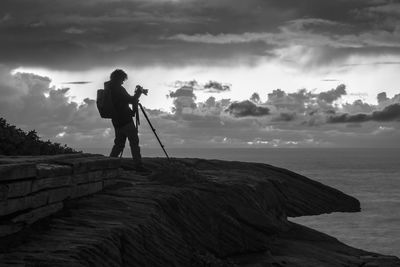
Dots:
(372, 175)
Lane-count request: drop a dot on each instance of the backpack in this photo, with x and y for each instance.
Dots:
(104, 102)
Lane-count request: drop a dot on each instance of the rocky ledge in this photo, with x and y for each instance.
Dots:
(193, 212)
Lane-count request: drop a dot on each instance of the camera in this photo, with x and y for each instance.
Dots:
(141, 89)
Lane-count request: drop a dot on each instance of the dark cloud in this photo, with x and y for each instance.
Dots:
(316, 109)
(305, 102)
(208, 87)
(216, 87)
(349, 118)
(210, 102)
(192, 84)
(298, 101)
(183, 92)
(78, 82)
(329, 80)
(255, 97)
(184, 99)
(333, 95)
(389, 113)
(358, 106)
(213, 107)
(76, 35)
(286, 117)
(247, 108)
(384, 101)
(382, 97)
(81, 34)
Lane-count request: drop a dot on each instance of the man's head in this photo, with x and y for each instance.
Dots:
(118, 76)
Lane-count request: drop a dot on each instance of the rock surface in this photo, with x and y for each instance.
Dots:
(32, 188)
(193, 213)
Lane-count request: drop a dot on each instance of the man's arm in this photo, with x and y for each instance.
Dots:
(131, 99)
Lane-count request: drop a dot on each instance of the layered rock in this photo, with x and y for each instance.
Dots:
(32, 188)
(193, 213)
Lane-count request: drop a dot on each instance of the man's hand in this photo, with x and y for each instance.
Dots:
(141, 90)
(138, 90)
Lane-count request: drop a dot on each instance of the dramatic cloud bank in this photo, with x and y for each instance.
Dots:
(28, 101)
(81, 34)
(300, 119)
(389, 113)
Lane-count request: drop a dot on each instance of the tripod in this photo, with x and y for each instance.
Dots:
(154, 130)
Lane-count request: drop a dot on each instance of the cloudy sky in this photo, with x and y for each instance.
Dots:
(254, 73)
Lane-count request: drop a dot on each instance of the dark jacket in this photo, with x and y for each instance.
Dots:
(121, 101)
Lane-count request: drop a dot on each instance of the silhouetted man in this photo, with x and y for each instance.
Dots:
(122, 119)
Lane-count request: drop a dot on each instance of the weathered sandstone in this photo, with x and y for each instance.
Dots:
(191, 213)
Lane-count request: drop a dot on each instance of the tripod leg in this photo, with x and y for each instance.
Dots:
(154, 131)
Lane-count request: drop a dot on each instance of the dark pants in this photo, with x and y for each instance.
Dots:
(129, 130)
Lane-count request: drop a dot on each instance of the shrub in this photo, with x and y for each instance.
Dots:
(14, 141)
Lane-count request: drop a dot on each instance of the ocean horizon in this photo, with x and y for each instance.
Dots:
(372, 175)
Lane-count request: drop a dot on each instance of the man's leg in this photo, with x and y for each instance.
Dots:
(131, 132)
(119, 142)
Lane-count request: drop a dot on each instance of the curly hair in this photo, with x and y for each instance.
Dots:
(118, 75)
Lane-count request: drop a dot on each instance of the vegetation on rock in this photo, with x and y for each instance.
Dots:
(14, 141)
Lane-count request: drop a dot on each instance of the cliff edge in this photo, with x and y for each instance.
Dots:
(193, 212)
